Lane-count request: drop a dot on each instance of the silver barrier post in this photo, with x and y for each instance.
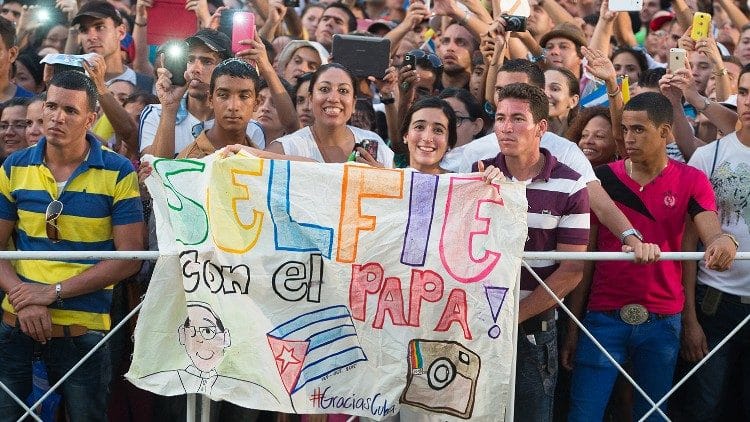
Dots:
(697, 366)
(205, 413)
(20, 403)
(593, 339)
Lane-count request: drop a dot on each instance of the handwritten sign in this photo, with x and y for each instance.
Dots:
(326, 288)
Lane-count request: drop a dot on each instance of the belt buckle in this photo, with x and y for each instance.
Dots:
(634, 314)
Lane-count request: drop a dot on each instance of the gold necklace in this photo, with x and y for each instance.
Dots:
(629, 171)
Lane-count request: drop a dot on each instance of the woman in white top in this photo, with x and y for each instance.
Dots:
(330, 139)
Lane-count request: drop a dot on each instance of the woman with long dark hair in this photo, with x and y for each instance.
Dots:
(330, 139)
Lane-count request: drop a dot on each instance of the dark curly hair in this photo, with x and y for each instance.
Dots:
(582, 119)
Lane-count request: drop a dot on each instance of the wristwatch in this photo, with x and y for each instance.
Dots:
(58, 294)
(630, 232)
(706, 103)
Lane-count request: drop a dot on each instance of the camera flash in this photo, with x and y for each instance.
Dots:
(238, 18)
(174, 50)
(42, 15)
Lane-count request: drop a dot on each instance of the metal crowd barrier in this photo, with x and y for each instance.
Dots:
(557, 256)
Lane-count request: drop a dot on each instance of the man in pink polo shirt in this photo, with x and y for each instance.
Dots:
(633, 309)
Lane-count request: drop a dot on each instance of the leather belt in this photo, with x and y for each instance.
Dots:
(745, 300)
(539, 322)
(635, 314)
(57, 330)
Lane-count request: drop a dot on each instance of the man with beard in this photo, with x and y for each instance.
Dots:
(457, 45)
(167, 128)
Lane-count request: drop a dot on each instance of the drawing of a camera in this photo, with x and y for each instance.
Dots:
(442, 377)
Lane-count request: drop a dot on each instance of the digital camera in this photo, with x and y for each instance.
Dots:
(514, 23)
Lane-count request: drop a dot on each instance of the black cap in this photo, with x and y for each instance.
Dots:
(100, 10)
(213, 39)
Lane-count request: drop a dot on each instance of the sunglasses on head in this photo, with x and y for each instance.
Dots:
(54, 210)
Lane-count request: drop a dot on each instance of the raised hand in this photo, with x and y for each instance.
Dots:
(599, 64)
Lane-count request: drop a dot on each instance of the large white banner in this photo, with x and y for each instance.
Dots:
(331, 288)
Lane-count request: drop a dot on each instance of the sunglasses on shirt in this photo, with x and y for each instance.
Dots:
(54, 210)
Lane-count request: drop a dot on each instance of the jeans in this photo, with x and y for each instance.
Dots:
(705, 391)
(536, 374)
(652, 349)
(86, 390)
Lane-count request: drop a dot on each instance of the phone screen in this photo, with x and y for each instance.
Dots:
(243, 28)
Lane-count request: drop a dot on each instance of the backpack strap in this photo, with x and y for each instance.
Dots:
(716, 155)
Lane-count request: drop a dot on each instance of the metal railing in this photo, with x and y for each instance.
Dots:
(557, 256)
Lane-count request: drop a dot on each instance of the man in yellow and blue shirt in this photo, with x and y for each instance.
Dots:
(67, 193)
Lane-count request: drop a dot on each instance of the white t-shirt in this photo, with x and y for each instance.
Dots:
(731, 182)
(565, 151)
(452, 159)
(302, 143)
(128, 75)
(187, 128)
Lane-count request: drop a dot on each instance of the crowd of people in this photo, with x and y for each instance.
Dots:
(621, 147)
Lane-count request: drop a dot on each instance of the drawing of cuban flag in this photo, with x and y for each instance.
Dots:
(313, 345)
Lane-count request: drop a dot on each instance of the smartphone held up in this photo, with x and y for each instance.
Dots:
(701, 26)
(677, 57)
(625, 5)
(174, 57)
(238, 26)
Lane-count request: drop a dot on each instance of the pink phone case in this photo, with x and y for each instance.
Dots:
(243, 28)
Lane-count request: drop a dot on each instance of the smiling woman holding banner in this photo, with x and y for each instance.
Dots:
(429, 131)
(330, 139)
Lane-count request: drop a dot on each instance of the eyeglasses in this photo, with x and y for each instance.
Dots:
(208, 333)
(423, 56)
(17, 125)
(54, 210)
(461, 119)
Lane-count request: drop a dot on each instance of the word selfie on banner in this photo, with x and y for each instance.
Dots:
(331, 288)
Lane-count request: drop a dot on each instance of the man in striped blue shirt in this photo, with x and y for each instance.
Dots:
(67, 193)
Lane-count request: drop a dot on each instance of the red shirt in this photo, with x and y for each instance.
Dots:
(659, 212)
